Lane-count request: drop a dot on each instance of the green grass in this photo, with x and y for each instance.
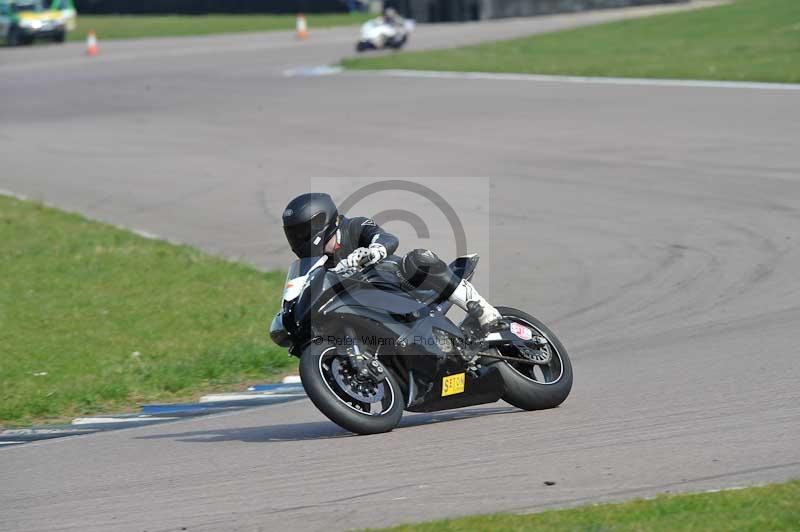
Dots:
(136, 26)
(769, 508)
(748, 40)
(114, 319)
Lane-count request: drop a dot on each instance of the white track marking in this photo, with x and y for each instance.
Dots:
(4, 192)
(312, 71)
(140, 232)
(691, 83)
(244, 397)
(111, 420)
(146, 234)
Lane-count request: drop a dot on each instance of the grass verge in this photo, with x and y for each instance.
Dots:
(137, 26)
(95, 318)
(753, 40)
(775, 507)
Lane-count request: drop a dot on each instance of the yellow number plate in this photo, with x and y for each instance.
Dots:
(453, 384)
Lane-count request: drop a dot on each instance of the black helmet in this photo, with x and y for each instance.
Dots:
(309, 221)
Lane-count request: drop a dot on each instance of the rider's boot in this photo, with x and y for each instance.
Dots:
(467, 297)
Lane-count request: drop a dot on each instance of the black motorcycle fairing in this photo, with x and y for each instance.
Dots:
(434, 349)
(422, 353)
(485, 385)
(303, 305)
(420, 365)
(391, 302)
(295, 312)
(424, 328)
(367, 296)
(278, 332)
(370, 277)
(371, 294)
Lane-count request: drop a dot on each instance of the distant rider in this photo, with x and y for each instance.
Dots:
(393, 18)
(314, 227)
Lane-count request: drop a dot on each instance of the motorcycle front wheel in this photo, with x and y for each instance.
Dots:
(535, 387)
(363, 46)
(398, 43)
(357, 406)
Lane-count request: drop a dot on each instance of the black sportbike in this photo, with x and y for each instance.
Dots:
(370, 348)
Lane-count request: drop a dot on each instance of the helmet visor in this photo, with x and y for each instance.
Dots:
(306, 238)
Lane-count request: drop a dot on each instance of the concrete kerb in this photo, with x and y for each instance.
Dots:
(257, 395)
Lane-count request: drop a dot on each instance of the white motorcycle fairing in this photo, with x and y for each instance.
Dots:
(376, 34)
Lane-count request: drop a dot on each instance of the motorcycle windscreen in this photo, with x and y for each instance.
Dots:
(298, 273)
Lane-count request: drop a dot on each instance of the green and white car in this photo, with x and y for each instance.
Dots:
(23, 21)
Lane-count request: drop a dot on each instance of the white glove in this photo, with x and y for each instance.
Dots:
(377, 252)
(356, 258)
(362, 257)
(343, 269)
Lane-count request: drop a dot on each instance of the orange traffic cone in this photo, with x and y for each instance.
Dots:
(302, 28)
(91, 43)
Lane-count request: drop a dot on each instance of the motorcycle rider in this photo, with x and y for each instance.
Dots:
(393, 18)
(314, 227)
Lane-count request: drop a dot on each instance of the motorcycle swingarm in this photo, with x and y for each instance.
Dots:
(505, 338)
(510, 359)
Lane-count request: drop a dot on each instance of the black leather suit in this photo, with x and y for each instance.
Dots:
(418, 269)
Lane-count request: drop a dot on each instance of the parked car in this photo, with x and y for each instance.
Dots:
(23, 21)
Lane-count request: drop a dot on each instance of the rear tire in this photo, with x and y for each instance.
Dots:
(523, 391)
(60, 37)
(320, 391)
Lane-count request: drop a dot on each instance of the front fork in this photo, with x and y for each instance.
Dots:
(364, 365)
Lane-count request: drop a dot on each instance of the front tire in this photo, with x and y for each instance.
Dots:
(399, 44)
(529, 388)
(318, 368)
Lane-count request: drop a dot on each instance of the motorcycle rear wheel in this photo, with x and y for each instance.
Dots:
(319, 365)
(536, 387)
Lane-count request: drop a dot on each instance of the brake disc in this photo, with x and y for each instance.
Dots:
(539, 356)
(364, 391)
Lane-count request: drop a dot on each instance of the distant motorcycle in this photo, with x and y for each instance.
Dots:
(377, 34)
(370, 348)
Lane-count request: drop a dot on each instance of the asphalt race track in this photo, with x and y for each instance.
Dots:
(655, 228)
